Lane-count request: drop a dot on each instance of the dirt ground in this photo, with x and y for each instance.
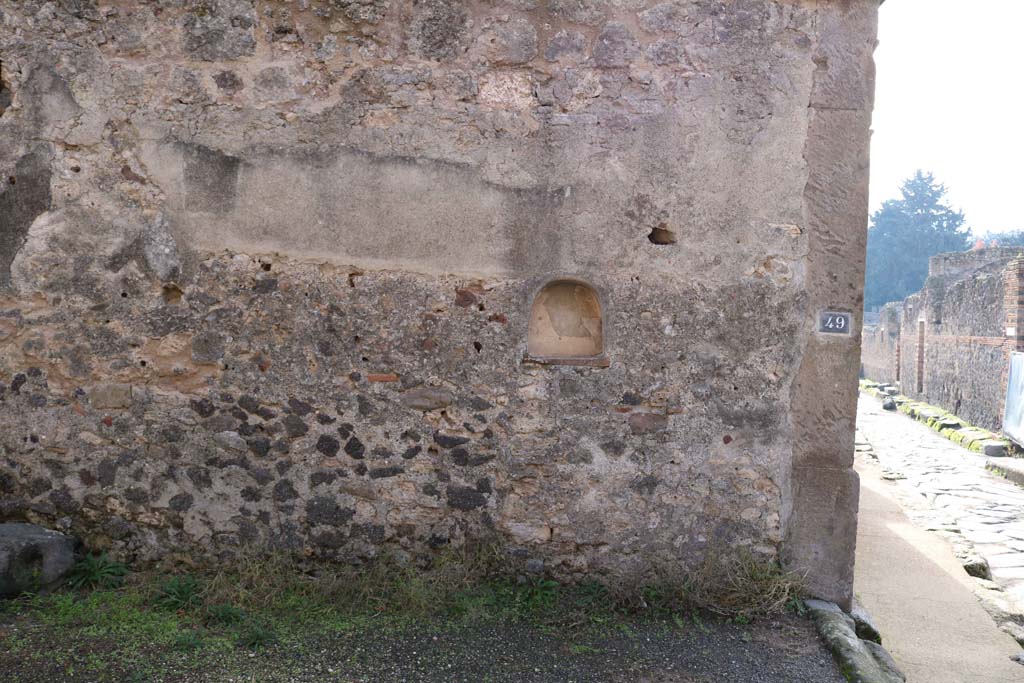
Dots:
(783, 649)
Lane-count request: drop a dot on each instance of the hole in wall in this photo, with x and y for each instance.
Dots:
(565, 322)
(662, 235)
(12, 180)
(265, 266)
(478, 346)
(171, 293)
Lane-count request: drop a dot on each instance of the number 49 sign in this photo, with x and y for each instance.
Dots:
(835, 322)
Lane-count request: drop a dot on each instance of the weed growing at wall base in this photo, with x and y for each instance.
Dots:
(476, 583)
(268, 604)
(97, 571)
(178, 593)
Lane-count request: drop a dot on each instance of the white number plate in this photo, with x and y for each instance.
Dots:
(834, 322)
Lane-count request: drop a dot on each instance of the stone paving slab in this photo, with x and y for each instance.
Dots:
(942, 421)
(920, 599)
(945, 487)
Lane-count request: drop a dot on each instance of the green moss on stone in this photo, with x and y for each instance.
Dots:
(945, 423)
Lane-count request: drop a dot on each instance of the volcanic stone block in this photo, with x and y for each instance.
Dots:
(32, 558)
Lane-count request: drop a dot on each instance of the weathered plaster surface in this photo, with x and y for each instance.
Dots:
(269, 269)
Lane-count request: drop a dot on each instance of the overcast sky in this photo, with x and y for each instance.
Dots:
(950, 99)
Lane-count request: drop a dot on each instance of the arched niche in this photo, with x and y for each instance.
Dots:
(566, 325)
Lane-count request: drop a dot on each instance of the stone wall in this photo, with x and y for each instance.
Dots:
(269, 269)
(880, 346)
(965, 310)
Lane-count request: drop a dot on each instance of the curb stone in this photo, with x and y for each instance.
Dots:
(1012, 470)
(864, 626)
(976, 566)
(942, 421)
(1014, 630)
(862, 661)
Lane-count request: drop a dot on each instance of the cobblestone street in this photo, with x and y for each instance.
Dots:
(946, 488)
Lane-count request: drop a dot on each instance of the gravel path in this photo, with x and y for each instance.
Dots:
(784, 649)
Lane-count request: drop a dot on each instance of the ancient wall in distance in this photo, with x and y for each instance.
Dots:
(949, 343)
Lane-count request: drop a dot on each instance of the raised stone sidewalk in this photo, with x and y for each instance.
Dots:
(920, 599)
(943, 487)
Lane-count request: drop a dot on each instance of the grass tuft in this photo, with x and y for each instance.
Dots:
(178, 593)
(743, 585)
(254, 635)
(223, 615)
(188, 641)
(97, 571)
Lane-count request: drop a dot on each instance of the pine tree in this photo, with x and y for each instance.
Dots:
(904, 233)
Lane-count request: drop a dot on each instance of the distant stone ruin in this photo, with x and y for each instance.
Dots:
(346, 277)
(950, 343)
